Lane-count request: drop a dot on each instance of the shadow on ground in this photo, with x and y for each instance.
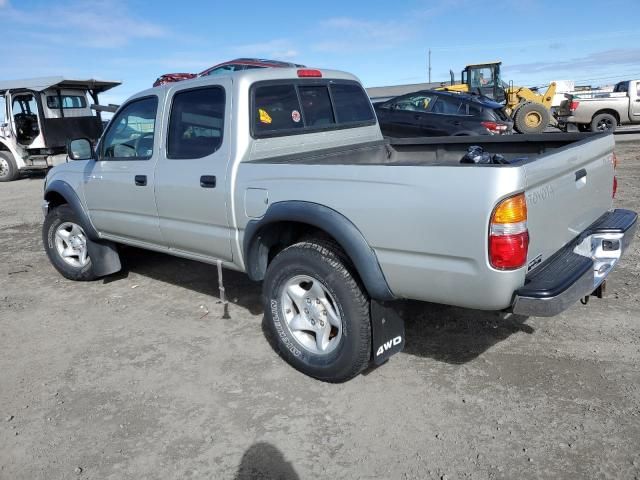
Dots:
(197, 276)
(444, 333)
(263, 461)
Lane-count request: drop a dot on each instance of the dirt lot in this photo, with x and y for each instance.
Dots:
(139, 376)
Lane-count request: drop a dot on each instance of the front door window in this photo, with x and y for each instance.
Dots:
(131, 132)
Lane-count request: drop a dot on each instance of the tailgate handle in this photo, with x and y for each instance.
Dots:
(581, 174)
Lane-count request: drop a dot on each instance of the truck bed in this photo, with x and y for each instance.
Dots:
(447, 151)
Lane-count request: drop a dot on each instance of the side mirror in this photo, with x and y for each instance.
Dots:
(80, 149)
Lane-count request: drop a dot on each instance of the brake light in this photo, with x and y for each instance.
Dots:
(615, 187)
(508, 234)
(309, 73)
(574, 106)
(494, 127)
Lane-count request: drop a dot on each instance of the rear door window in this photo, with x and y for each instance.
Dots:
(449, 106)
(316, 105)
(352, 104)
(277, 109)
(196, 124)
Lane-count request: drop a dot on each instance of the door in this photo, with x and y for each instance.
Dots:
(192, 190)
(634, 101)
(446, 116)
(119, 184)
(408, 114)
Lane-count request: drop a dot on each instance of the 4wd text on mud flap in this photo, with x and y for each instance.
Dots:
(387, 345)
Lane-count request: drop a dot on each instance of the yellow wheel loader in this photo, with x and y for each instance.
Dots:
(529, 109)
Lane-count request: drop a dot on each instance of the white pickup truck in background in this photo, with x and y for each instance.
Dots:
(604, 112)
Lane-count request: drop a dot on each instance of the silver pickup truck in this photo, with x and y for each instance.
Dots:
(602, 112)
(284, 174)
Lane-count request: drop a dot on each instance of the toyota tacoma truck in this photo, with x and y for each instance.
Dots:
(604, 112)
(284, 174)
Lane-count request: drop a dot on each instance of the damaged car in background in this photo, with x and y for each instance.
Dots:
(38, 115)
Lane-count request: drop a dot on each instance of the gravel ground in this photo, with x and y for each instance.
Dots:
(139, 376)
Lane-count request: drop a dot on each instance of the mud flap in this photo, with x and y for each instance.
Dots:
(105, 258)
(387, 329)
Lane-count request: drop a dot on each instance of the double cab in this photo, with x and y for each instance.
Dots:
(285, 175)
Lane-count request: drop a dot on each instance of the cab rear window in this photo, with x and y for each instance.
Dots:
(288, 108)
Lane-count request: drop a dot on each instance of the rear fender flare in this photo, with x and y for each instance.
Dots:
(343, 231)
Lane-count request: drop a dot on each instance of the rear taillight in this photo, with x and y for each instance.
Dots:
(574, 106)
(309, 73)
(508, 234)
(495, 127)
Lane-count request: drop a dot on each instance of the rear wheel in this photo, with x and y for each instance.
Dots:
(67, 244)
(604, 122)
(8, 167)
(531, 118)
(317, 312)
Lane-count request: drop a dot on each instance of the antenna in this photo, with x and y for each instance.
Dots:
(429, 65)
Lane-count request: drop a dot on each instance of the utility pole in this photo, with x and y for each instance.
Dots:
(429, 65)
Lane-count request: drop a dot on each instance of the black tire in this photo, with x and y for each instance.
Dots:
(324, 262)
(8, 167)
(530, 111)
(604, 122)
(54, 219)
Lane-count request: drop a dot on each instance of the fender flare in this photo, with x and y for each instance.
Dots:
(65, 190)
(104, 254)
(345, 233)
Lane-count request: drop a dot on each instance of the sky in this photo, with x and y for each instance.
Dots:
(382, 42)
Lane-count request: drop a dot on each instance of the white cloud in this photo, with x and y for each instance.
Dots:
(91, 23)
(607, 58)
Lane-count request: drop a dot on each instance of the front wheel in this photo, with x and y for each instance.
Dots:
(67, 244)
(317, 312)
(8, 167)
(531, 118)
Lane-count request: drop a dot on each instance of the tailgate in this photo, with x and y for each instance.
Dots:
(566, 192)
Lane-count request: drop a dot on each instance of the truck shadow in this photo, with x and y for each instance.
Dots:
(196, 276)
(447, 334)
(455, 335)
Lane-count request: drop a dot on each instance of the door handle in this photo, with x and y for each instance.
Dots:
(141, 180)
(581, 174)
(456, 123)
(417, 117)
(208, 181)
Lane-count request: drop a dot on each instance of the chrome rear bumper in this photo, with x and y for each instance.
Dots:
(577, 269)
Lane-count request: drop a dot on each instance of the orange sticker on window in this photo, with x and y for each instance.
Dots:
(264, 116)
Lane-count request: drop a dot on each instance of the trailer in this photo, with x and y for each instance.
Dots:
(38, 115)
